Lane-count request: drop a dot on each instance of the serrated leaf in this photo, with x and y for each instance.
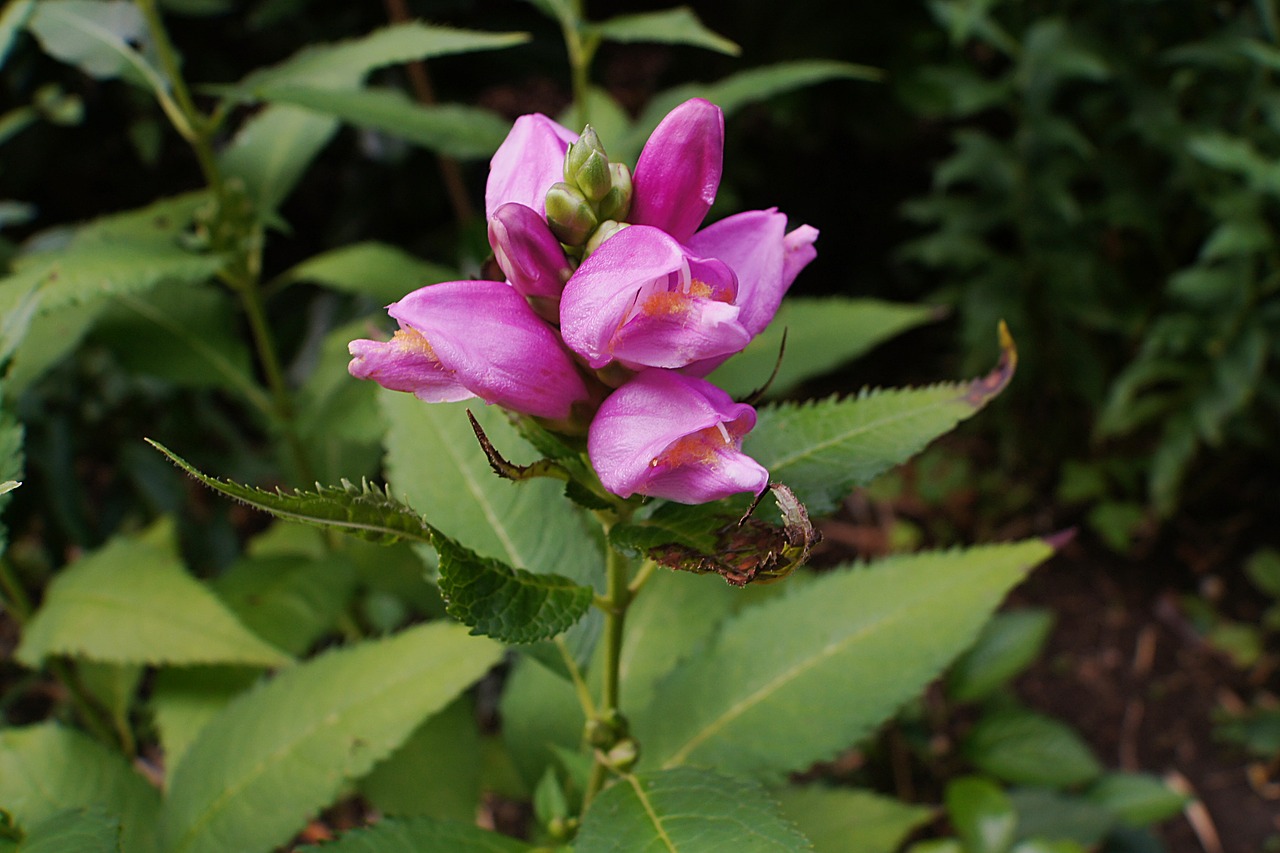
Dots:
(1138, 799)
(289, 601)
(288, 747)
(1008, 644)
(821, 335)
(843, 652)
(416, 835)
(434, 773)
(366, 512)
(851, 820)
(464, 132)
(686, 810)
(133, 602)
(97, 37)
(184, 699)
(823, 449)
(669, 26)
(512, 605)
(78, 830)
(1026, 748)
(379, 271)
(434, 460)
(47, 769)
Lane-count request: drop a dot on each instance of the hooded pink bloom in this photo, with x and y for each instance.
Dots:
(671, 436)
(462, 339)
(527, 163)
(528, 253)
(678, 172)
(642, 301)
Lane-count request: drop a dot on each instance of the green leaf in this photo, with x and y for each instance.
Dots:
(434, 460)
(1263, 570)
(665, 626)
(78, 830)
(133, 602)
(435, 772)
(1047, 814)
(381, 272)
(685, 810)
(13, 17)
(289, 601)
(288, 747)
(344, 64)
(823, 449)
(183, 332)
(750, 706)
(272, 150)
(185, 699)
(467, 133)
(982, 815)
(96, 37)
(47, 769)
(512, 605)
(850, 820)
(821, 334)
(539, 713)
(416, 835)
(1026, 748)
(367, 512)
(1137, 799)
(736, 91)
(669, 26)
(1006, 646)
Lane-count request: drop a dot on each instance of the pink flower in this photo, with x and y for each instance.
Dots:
(528, 253)
(527, 163)
(672, 436)
(461, 339)
(678, 172)
(642, 301)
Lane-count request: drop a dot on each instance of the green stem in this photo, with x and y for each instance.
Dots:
(15, 598)
(616, 600)
(581, 51)
(575, 675)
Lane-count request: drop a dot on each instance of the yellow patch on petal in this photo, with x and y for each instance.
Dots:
(666, 304)
(411, 340)
(699, 448)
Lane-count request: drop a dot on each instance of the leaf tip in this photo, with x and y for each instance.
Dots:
(985, 389)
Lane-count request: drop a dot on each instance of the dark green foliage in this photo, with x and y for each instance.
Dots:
(1111, 192)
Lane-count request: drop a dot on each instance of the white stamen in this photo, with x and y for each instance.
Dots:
(724, 432)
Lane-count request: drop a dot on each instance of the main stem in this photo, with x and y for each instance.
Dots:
(608, 717)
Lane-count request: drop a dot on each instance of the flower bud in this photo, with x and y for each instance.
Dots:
(586, 166)
(606, 230)
(616, 203)
(570, 215)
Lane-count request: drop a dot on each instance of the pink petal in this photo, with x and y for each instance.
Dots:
(405, 363)
(527, 163)
(486, 336)
(678, 172)
(751, 243)
(529, 254)
(641, 301)
(670, 436)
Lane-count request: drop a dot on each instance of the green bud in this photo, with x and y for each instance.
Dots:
(570, 215)
(616, 203)
(624, 755)
(586, 145)
(606, 230)
(594, 178)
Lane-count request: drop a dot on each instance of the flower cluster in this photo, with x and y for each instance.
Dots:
(615, 306)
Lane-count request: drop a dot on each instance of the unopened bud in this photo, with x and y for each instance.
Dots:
(606, 230)
(570, 215)
(616, 203)
(581, 149)
(624, 755)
